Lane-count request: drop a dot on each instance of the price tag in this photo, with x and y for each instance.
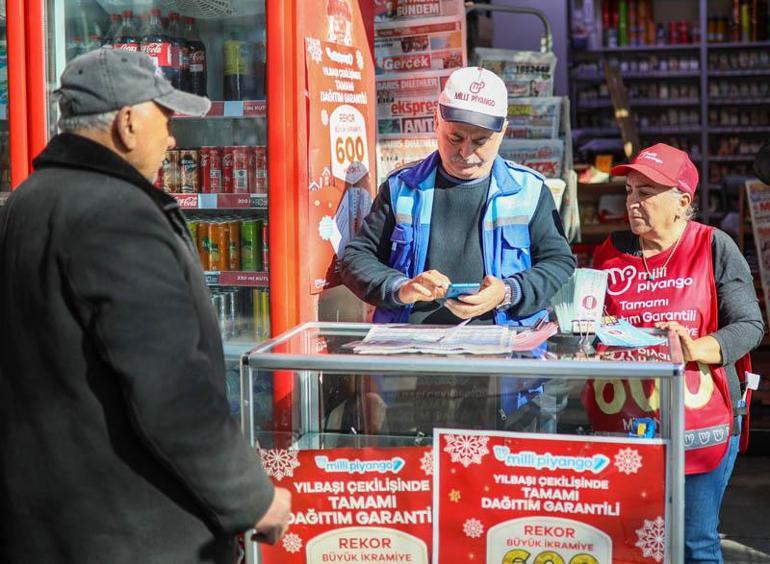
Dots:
(350, 153)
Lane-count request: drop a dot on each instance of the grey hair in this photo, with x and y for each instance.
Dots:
(94, 122)
(690, 210)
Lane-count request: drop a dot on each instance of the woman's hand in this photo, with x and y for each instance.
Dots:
(705, 349)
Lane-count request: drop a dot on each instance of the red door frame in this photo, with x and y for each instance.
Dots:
(17, 91)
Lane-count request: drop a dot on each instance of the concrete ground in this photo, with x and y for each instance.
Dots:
(745, 516)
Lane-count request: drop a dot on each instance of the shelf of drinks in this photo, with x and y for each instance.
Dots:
(647, 131)
(639, 49)
(738, 45)
(731, 158)
(640, 102)
(237, 278)
(739, 129)
(741, 73)
(221, 201)
(599, 77)
(739, 101)
(233, 109)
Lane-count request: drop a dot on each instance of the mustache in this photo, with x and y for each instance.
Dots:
(467, 162)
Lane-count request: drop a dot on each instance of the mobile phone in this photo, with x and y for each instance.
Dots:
(457, 290)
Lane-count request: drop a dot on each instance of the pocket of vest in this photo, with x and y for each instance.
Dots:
(401, 243)
(514, 255)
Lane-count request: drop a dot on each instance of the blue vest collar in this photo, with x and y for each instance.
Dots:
(415, 177)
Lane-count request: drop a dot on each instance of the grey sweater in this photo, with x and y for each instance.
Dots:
(740, 320)
(366, 272)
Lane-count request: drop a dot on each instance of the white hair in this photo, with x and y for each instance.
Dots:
(690, 210)
(94, 122)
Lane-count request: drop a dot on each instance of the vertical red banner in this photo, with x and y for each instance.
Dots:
(354, 505)
(340, 90)
(522, 499)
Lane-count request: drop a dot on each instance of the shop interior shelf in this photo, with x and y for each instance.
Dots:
(237, 278)
(233, 109)
(599, 77)
(740, 72)
(717, 129)
(641, 102)
(739, 45)
(731, 158)
(640, 48)
(739, 101)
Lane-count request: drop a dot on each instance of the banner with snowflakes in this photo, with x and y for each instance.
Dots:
(354, 505)
(530, 498)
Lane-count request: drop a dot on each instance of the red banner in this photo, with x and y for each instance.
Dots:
(354, 505)
(523, 498)
(340, 89)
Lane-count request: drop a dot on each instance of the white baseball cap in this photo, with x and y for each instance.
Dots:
(475, 96)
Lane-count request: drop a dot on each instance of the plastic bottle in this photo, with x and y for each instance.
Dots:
(178, 52)
(196, 53)
(127, 36)
(109, 37)
(623, 23)
(157, 45)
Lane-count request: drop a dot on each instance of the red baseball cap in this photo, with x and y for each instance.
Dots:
(663, 164)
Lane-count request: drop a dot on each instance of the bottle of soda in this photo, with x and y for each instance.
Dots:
(260, 66)
(109, 37)
(127, 37)
(157, 45)
(178, 51)
(196, 53)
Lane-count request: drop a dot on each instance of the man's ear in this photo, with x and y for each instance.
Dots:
(126, 128)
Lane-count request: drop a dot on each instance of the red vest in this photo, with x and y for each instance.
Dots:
(682, 290)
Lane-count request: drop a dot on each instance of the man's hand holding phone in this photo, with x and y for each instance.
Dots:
(490, 295)
(428, 286)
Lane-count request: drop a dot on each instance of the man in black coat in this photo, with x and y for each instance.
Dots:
(117, 444)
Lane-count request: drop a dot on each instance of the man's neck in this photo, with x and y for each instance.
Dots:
(456, 180)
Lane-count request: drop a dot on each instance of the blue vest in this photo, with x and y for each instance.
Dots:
(511, 201)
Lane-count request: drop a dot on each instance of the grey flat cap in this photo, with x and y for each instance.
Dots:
(105, 80)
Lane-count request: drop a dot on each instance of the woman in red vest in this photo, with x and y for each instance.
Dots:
(671, 272)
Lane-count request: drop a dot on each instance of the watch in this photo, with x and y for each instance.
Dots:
(506, 303)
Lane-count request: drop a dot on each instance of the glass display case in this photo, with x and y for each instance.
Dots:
(349, 402)
(218, 169)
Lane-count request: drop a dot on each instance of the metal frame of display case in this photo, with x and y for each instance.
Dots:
(305, 365)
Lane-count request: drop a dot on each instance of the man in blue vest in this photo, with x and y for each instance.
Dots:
(464, 215)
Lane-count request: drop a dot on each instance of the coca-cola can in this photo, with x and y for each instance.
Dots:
(241, 170)
(168, 175)
(188, 171)
(211, 169)
(258, 169)
(227, 170)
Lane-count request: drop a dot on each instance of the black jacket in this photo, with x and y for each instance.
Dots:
(117, 444)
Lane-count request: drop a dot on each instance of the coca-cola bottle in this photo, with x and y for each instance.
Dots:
(196, 52)
(112, 32)
(127, 37)
(178, 52)
(157, 45)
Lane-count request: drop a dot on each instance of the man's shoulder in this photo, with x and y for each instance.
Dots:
(405, 167)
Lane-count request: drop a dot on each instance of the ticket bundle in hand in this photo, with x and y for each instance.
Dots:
(579, 303)
(525, 73)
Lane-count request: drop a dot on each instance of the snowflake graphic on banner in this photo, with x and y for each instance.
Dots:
(292, 543)
(473, 528)
(426, 463)
(652, 539)
(279, 463)
(628, 461)
(466, 449)
(314, 48)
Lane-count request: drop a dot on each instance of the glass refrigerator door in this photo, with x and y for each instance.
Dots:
(218, 170)
(5, 161)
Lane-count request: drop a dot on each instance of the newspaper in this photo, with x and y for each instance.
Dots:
(394, 153)
(435, 44)
(534, 118)
(471, 339)
(406, 105)
(525, 73)
(401, 10)
(544, 155)
(758, 200)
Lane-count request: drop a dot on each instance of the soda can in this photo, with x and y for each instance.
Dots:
(234, 244)
(211, 170)
(258, 170)
(219, 245)
(265, 246)
(227, 170)
(192, 226)
(240, 170)
(250, 256)
(168, 175)
(188, 171)
(204, 243)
